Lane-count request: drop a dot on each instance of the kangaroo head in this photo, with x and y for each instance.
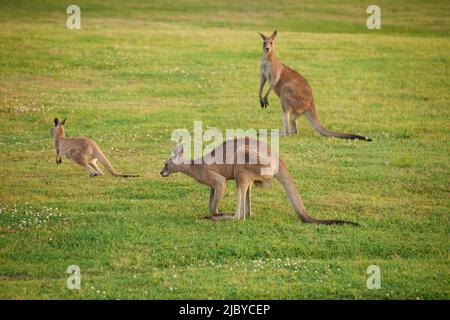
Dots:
(268, 42)
(171, 164)
(58, 128)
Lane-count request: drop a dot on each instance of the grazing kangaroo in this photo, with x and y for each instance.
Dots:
(259, 172)
(82, 151)
(294, 92)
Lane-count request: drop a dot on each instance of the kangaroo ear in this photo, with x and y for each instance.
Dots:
(56, 121)
(63, 122)
(177, 152)
(274, 34)
(262, 36)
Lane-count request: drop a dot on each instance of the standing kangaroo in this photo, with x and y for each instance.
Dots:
(294, 92)
(82, 151)
(216, 174)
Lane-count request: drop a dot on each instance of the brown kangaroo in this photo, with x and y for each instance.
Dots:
(82, 151)
(267, 165)
(294, 92)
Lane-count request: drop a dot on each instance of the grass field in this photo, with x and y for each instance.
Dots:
(138, 70)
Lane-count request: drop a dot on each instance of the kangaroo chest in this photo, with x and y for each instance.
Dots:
(265, 68)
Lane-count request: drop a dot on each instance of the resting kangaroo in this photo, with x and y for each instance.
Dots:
(259, 172)
(293, 90)
(82, 151)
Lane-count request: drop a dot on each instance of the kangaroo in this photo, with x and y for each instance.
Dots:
(294, 92)
(267, 165)
(82, 151)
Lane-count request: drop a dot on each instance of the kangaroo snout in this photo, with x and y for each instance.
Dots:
(163, 173)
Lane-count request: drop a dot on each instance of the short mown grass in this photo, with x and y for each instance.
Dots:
(138, 70)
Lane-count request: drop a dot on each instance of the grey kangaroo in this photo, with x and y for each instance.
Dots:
(259, 172)
(294, 92)
(81, 150)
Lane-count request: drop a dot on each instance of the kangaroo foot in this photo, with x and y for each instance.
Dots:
(220, 217)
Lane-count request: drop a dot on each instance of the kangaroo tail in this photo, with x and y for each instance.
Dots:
(286, 180)
(312, 117)
(102, 158)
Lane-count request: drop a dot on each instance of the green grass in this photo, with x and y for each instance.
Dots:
(138, 70)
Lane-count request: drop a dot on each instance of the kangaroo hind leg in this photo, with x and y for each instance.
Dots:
(294, 129)
(94, 165)
(215, 195)
(241, 203)
(248, 203)
(89, 169)
(82, 161)
(285, 130)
